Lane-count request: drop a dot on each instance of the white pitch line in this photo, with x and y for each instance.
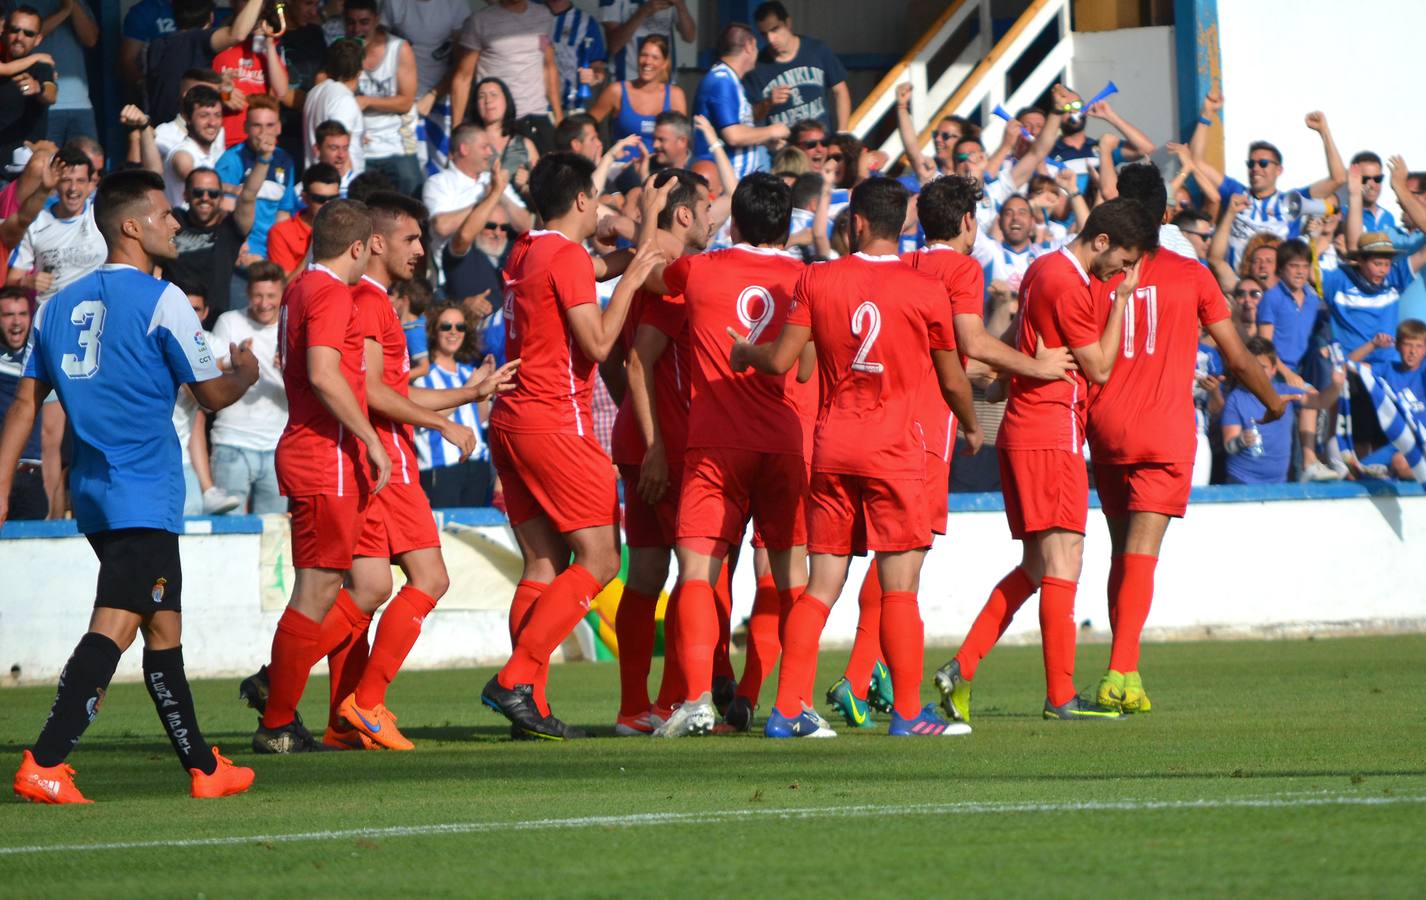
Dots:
(721, 816)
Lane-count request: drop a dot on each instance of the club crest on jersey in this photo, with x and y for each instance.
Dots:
(158, 588)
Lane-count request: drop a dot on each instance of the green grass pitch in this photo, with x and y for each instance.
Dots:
(1288, 768)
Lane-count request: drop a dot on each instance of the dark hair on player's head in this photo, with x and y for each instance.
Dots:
(769, 9)
(70, 157)
(320, 173)
(762, 208)
(191, 13)
(417, 293)
(370, 6)
(200, 96)
(733, 38)
(330, 128)
(368, 183)
(807, 188)
(683, 196)
(118, 196)
(558, 178)
(943, 205)
(265, 270)
(804, 126)
(1292, 251)
(387, 207)
(1261, 346)
(343, 60)
(338, 225)
(1189, 217)
(1366, 156)
(1125, 223)
(1255, 146)
(571, 129)
(881, 202)
(1144, 182)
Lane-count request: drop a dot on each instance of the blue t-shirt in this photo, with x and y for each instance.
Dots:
(72, 82)
(1409, 385)
(416, 338)
(721, 98)
(276, 193)
(1270, 468)
(1077, 159)
(1361, 311)
(116, 345)
(12, 369)
(148, 19)
(811, 75)
(1292, 327)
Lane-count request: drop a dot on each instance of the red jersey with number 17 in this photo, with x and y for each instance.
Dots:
(1144, 413)
(546, 276)
(378, 322)
(1056, 306)
(875, 321)
(964, 280)
(316, 454)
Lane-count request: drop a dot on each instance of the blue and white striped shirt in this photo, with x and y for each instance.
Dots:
(722, 99)
(572, 27)
(432, 450)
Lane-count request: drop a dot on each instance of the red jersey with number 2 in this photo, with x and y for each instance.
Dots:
(1144, 413)
(546, 276)
(875, 321)
(1056, 307)
(378, 322)
(964, 280)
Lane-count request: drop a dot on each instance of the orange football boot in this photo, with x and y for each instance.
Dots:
(47, 784)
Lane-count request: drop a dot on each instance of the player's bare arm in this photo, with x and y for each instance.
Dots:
(1097, 360)
(773, 358)
(596, 331)
(1246, 369)
(228, 388)
(19, 421)
(484, 383)
(955, 388)
(807, 363)
(1048, 363)
(324, 372)
(380, 398)
(652, 203)
(649, 345)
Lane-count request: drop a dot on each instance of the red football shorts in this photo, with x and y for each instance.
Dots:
(849, 514)
(565, 477)
(398, 519)
(722, 486)
(1044, 489)
(325, 528)
(938, 489)
(1157, 487)
(651, 526)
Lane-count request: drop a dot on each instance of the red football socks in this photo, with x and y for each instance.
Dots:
(1131, 603)
(671, 684)
(1007, 597)
(553, 617)
(344, 642)
(523, 603)
(763, 642)
(866, 647)
(1116, 584)
(395, 636)
(1057, 635)
(294, 650)
(723, 598)
(785, 599)
(697, 636)
(634, 630)
(904, 637)
(801, 638)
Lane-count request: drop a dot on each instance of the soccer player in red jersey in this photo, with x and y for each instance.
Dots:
(878, 326)
(320, 464)
(1141, 427)
(946, 208)
(745, 446)
(1042, 469)
(559, 483)
(399, 523)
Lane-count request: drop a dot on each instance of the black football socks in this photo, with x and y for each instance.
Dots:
(168, 687)
(82, 686)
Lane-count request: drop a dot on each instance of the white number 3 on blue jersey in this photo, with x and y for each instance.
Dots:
(89, 315)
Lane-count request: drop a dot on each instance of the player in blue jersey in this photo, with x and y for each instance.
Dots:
(115, 346)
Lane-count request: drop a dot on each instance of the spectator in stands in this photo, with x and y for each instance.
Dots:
(1366, 168)
(202, 146)
(288, 241)
(431, 27)
(579, 133)
(304, 47)
(334, 100)
(386, 93)
(69, 30)
(797, 77)
(633, 106)
(1198, 228)
(27, 83)
(723, 101)
(1078, 150)
(1364, 295)
(576, 37)
(63, 244)
(169, 135)
(1244, 432)
(190, 425)
(210, 239)
(26, 197)
(447, 481)
(672, 148)
(28, 499)
(790, 163)
(627, 22)
(192, 44)
(1016, 248)
(276, 199)
(250, 68)
(411, 299)
(1246, 297)
(949, 132)
(510, 40)
(463, 201)
(245, 434)
(494, 113)
(810, 136)
(145, 21)
(1406, 377)
(334, 145)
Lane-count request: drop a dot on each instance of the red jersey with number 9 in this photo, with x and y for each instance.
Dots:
(546, 276)
(875, 321)
(1144, 413)
(964, 280)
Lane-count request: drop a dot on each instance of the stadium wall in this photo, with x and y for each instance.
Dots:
(1247, 561)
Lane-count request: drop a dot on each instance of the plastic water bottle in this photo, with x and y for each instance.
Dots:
(582, 93)
(1257, 448)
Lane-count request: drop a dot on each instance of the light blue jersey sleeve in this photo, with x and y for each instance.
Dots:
(35, 360)
(181, 335)
(720, 100)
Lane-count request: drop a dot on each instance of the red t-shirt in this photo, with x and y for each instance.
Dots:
(378, 322)
(671, 381)
(287, 242)
(546, 275)
(316, 454)
(875, 321)
(1056, 306)
(1144, 413)
(964, 280)
(248, 75)
(748, 289)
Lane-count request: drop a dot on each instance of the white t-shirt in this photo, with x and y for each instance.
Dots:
(172, 184)
(68, 248)
(387, 134)
(431, 27)
(170, 134)
(625, 63)
(511, 46)
(451, 190)
(256, 421)
(1171, 238)
(335, 101)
